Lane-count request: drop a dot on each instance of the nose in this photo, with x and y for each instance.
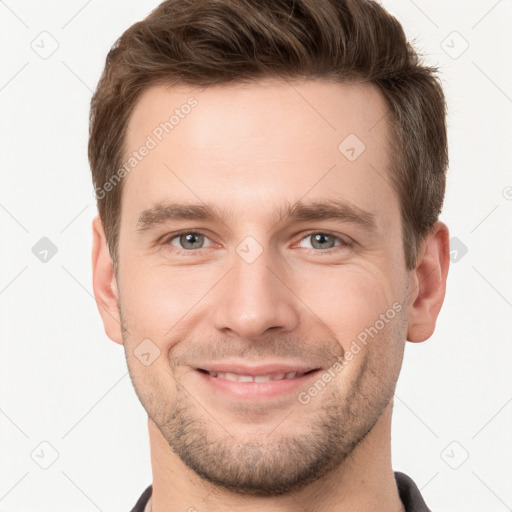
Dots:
(254, 299)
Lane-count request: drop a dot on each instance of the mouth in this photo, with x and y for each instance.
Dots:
(237, 377)
(256, 383)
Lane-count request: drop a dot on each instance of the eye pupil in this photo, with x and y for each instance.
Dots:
(191, 238)
(319, 241)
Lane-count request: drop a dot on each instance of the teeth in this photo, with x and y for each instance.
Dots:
(262, 378)
(244, 378)
(257, 378)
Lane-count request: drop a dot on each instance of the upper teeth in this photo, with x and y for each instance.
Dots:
(257, 378)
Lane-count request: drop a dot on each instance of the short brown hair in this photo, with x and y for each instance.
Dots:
(210, 42)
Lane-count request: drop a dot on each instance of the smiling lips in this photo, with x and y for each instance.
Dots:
(256, 382)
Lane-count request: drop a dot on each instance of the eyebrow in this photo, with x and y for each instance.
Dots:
(312, 211)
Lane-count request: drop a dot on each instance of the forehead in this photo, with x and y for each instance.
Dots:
(254, 142)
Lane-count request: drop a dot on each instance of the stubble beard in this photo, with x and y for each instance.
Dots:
(322, 434)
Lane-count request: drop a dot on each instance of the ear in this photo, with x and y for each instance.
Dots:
(104, 283)
(428, 283)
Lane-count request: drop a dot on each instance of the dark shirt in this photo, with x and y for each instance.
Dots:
(407, 489)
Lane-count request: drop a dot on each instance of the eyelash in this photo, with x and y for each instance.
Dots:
(344, 242)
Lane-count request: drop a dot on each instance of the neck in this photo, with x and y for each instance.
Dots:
(364, 482)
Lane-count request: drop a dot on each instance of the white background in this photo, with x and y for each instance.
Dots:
(65, 383)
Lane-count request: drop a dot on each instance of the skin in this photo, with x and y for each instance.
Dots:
(250, 148)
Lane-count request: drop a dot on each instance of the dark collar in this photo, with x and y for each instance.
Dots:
(407, 489)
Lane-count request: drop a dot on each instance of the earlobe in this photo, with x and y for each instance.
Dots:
(428, 283)
(104, 283)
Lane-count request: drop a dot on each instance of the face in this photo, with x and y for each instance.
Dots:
(261, 284)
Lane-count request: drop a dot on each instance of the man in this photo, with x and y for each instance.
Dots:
(269, 177)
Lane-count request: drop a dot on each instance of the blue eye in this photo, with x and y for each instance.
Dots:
(188, 240)
(324, 241)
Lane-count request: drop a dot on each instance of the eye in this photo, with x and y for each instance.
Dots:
(323, 241)
(187, 240)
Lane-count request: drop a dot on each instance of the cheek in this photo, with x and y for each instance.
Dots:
(158, 301)
(347, 299)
